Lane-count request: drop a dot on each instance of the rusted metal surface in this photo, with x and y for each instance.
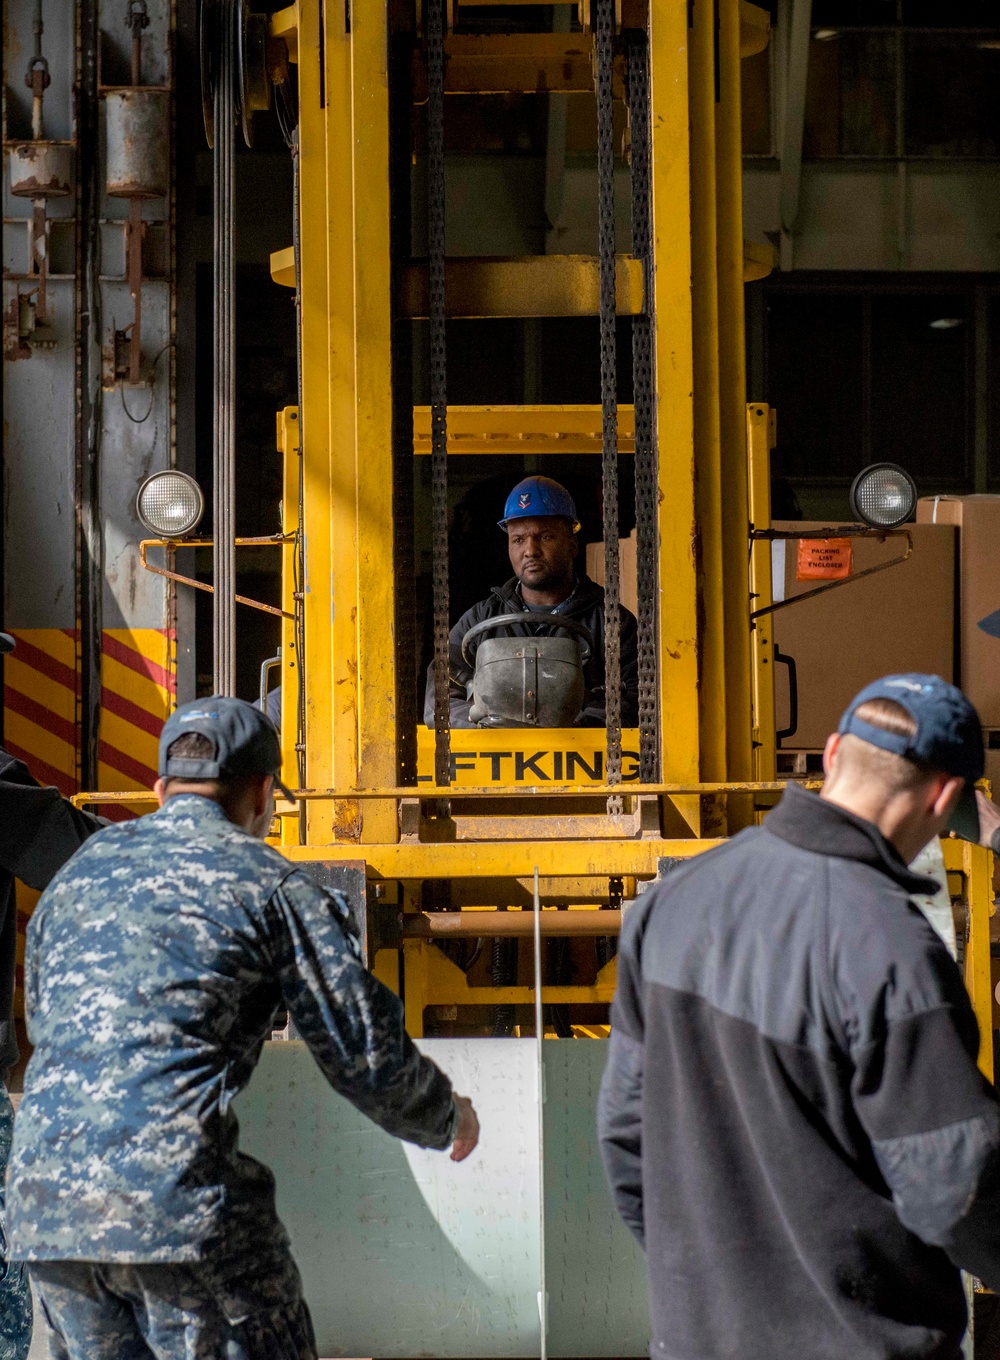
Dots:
(430, 925)
(18, 324)
(138, 143)
(148, 543)
(41, 170)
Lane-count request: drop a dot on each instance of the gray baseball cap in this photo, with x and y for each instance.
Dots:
(244, 739)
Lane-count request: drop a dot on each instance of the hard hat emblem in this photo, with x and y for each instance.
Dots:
(524, 499)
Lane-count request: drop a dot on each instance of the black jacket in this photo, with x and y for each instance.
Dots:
(586, 606)
(39, 831)
(792, 1119)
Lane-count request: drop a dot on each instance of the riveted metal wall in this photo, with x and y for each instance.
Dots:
(80, 436)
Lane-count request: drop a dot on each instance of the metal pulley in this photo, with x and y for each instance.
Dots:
(260, 61)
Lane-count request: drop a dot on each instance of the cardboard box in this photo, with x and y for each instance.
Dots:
(628, 579)
(901, 619)
(978, 521)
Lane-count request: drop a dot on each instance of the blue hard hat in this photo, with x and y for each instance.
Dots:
(537, 497)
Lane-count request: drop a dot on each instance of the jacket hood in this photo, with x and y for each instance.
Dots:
(804, 819)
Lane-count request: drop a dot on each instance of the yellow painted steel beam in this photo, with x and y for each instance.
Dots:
(283, 266)
(754, 30)
(758, 425)
(707, 456)
(732, 409)
(507, 859)
(319, 232)
(673, 380)
(523, 429)
(372, 583)
(517, 63)
(758, 260)
(977, 869)
(433, 980)
(288, 442)
(527, 285)
(285, 25)
(335, 618)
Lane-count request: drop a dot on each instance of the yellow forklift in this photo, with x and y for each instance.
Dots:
(451, 843)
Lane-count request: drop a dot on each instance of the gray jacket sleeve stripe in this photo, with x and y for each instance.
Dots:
(920, 1073)
(619, 1111)
(946, 1188)
(619, 1121)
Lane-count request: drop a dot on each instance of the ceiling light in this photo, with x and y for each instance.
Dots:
(883, 495)
(825, 34)
(945, 323)
(170, 504)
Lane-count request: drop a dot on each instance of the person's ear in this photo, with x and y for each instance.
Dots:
(574, 545)
(160, 789)
(264, 790)
(830, 752)
(947, 792)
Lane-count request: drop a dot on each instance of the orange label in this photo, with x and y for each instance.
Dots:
(824, 559)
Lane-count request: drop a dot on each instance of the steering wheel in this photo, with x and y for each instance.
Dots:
(557, 620)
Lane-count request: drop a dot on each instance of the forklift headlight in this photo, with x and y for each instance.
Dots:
(883, 496)
(170, 504)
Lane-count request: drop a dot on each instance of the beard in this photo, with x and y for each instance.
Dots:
(546, 577)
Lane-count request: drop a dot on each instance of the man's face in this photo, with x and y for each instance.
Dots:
(542, 551)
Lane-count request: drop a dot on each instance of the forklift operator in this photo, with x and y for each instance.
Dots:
(541, 524)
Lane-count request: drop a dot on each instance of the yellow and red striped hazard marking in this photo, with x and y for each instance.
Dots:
(41, 715)
(41, 705)
(41, 720)
(138, 690)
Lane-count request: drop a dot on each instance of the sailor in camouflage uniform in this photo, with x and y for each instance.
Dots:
(155, 964)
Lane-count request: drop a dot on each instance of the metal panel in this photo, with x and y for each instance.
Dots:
(668, 36)
(594, 1269)
(404, 1253)
(731, 269)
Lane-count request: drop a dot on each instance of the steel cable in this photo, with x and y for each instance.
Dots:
(224, 528)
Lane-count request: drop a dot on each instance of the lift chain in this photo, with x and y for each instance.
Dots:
(604, 34)
(439, 385)
(646, 463)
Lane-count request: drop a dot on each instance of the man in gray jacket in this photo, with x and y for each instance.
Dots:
(792, 1118)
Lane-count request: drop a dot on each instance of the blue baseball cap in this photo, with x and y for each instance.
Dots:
(949, 735)
(538, 497)
(244, 741)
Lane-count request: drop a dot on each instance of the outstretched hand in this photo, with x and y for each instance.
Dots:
(467, 1130)
(989, 819)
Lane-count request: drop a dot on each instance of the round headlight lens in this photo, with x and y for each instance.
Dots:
(883, 495)
(170, 504)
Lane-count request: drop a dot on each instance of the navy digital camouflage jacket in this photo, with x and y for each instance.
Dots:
(155, 963)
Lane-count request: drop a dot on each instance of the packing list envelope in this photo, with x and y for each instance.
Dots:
(824, 559)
